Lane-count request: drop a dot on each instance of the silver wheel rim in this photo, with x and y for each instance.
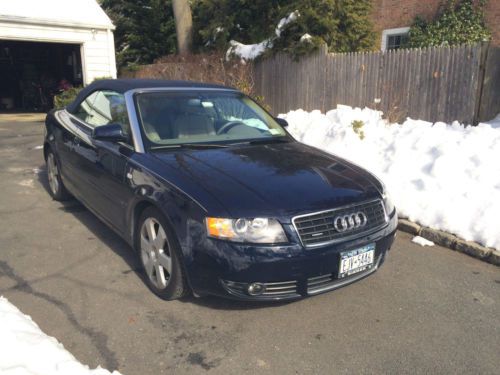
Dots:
(155, 253)
(52, 173)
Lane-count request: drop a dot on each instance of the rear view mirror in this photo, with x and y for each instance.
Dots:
(281, 121)
(110, 133)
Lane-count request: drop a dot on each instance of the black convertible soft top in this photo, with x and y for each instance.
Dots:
(123, 85)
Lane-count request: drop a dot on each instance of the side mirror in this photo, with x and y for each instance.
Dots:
(110, 133)
(281, 121)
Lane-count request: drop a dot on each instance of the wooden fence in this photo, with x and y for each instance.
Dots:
(436, 84)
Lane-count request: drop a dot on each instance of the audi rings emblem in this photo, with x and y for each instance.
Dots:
(344, 223)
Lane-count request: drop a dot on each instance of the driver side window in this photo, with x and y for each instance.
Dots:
(103, 108)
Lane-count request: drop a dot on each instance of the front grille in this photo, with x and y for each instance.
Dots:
(274, 290)
(318, 228)
(327, 282)
(318, 282)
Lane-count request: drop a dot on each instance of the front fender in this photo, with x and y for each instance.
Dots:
(178, 208)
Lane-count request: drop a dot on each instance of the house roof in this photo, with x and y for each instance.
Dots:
(73, 13)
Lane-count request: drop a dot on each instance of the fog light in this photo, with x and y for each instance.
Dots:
(256, 289)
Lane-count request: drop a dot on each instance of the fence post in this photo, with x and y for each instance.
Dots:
(485, 46)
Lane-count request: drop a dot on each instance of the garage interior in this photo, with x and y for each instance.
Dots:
(31, 73)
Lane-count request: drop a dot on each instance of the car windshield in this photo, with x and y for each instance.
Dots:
(176, 118)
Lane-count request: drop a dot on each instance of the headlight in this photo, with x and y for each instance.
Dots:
(258, 230)
(389, 206)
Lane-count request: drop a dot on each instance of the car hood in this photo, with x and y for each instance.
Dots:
(279, 179)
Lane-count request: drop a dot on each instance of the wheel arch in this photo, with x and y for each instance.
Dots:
(137, 210)
(136, 213)
(46, 149)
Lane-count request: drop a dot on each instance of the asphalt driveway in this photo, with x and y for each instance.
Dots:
(427, 310)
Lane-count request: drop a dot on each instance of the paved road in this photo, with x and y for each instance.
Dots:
(427, 310)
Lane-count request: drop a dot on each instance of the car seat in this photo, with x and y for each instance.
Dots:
(191, 120)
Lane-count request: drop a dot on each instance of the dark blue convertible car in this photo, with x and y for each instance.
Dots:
(214, 194)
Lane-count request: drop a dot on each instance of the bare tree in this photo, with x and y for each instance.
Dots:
(183, 25)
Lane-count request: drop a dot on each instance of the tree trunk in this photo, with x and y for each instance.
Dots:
(183, 25)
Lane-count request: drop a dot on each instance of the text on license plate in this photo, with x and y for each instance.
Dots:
(356, 260)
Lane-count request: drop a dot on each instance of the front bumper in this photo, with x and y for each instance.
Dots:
(287, 272)
(289, 290)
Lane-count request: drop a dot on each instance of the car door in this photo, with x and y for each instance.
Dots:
(101, 165)
(68, 133)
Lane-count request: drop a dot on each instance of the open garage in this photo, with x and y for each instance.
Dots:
(49, 46)
(31, 73)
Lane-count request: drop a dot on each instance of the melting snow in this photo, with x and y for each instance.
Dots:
(247, 51)
(422, 241)
(25, 349)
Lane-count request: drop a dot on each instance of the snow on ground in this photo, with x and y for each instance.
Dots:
(422, 241)
(252, 51)
(26, 350)
(444, 176)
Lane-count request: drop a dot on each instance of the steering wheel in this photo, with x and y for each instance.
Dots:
(225, 128)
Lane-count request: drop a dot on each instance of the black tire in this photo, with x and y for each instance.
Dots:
(56, 187)
(176, 285)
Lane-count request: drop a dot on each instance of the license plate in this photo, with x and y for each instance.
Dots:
(357, 260)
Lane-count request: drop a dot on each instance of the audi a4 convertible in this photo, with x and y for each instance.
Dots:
(214, 194)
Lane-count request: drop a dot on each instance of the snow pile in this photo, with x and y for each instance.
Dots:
(444, 176)
(25, 349)
(422, 241)
(252, 51)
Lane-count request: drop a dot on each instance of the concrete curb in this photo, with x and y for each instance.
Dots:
(451, 241)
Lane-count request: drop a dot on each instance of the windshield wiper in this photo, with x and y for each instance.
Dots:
(264, 141)
(196, 146)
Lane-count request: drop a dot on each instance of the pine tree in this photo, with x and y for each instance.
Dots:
(216, 22)
(344, 25)
(319, 19)
(355, 29)
(145, 29)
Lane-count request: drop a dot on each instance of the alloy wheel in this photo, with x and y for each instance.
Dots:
(52, 173)
(155, 253)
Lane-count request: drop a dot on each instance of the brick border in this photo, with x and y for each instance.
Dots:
(451, 241)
